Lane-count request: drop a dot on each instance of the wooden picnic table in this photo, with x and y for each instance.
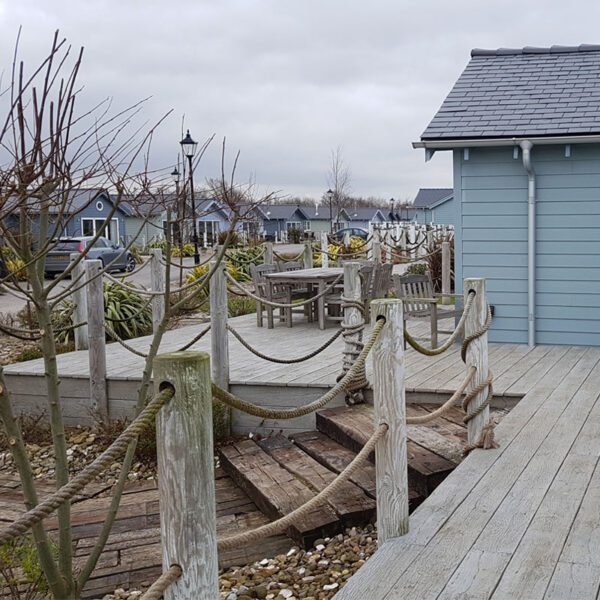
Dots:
(319, 277)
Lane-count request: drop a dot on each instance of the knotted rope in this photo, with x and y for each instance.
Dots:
(353, 346)
(301, 512)
(158, 588)
(193, 341)
(341, 386)
(284, 361)
(69, 490)
(284, 259)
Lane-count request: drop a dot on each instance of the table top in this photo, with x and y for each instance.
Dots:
(318, 274)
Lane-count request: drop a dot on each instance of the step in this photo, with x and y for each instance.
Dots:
(336, 457)
(350, 503)
(352, 426)
(276, 491)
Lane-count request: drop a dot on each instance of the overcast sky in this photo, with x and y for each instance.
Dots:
(287, 81)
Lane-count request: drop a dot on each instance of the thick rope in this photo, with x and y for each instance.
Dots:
(283, 259)
(444, 408)
(131, 288)
(341, 386)
(159, 587)
(335, 487)
(113, 334)
(284, 361)
(457, 331)
(69, 490)
(163, 262)
(192, 342)
(478, 333)
(353, 346)
(326, 291)
(136, 271)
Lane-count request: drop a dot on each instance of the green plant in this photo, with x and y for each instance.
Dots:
(417, 269)
(240, 305)
(295, 235)
(21, 574)
(185, 250)
(136, 251)
(242, 258)
(160, 244)
(234, 241)
(17, 267)
(127, 312)
(29, 354)
(434, 263)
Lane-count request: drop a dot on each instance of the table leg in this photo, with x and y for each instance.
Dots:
(321, 305)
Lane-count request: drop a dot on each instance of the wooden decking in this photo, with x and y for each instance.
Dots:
(521, 521)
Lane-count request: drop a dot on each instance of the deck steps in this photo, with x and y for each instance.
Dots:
(433, 450)
(276, 491)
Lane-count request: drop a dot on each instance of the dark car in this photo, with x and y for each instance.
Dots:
(112, 255)
(353, 231)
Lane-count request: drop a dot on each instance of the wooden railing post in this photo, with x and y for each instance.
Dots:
(307, 257)
(219, 339)
(325, 249)
(477, 355)
(186, 480)
(268, 253)
(446, 272)
(390, 408)
(157, 284)
(80, 301)
(97, 338)
(388, 245)
(377, 246)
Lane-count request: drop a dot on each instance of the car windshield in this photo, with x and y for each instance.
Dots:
(68, 245)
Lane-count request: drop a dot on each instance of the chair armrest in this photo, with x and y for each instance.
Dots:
(416, 300)
(450, 295)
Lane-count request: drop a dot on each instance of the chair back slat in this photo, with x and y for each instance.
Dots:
(382, 280)
(258, 272)
(290, 266)
(411, 288)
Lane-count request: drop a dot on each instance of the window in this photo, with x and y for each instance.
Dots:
(294, 225)
(90, 227)
(208, 231)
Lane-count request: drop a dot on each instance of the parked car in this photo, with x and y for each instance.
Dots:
(108, 252)
(353, 231)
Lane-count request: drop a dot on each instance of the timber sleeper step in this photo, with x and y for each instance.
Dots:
(352, 427)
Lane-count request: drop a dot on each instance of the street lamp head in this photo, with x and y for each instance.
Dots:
(175, 175)
(188, 145)
(329, 194)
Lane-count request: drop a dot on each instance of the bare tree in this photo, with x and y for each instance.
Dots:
(50, 151)
(338, 180)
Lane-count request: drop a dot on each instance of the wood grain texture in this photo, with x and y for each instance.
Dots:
(186, 475)
(157, 283)
(446, 259)
(307, 256)
(219, 340)
(97, 339)
(80, 304)
(477, 355)
(325, 249)
(268, 253)
(390, 408)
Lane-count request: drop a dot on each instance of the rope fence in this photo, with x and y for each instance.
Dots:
(68, 491)
(160, 586)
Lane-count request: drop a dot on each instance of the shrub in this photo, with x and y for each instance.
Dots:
(161, 244)
(127, 312)
(21, 573)
(295, 235)
(185, 250)
(240, 305)
(417, 269)
(434, 262)
(137, 252)
(234, 241)
(17, 267)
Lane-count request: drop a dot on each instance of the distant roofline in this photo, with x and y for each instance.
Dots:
(535, 50)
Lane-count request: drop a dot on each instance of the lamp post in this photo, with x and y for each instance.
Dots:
(329, 194)
(392, 210)
(178, 226)
(188, 146)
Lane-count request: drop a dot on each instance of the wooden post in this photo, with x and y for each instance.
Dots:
(307, 258)
(446, 272)
(388, 245)
(268, 253)
(78, 275)
(157, 284)
(219, 340)
(186, 480)
(377, 246)
(352, 317)
(477, 355)
(347, 239)
(390, 408)
(97, 338)
(325, 249)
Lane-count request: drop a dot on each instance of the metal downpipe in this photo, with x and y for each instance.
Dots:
(526, 147)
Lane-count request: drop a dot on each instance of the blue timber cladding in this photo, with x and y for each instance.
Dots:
(492, 237)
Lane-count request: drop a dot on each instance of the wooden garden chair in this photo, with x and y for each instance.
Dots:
(273, 293)
(420, 302)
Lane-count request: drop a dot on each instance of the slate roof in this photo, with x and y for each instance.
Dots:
(523, 92)
(280, 211)
(426, 197)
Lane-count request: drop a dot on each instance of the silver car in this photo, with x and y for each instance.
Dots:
(111, 254)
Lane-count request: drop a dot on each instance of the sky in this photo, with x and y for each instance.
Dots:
(287, 82)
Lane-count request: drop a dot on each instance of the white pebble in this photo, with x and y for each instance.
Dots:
(319, 547)
(330, 586)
